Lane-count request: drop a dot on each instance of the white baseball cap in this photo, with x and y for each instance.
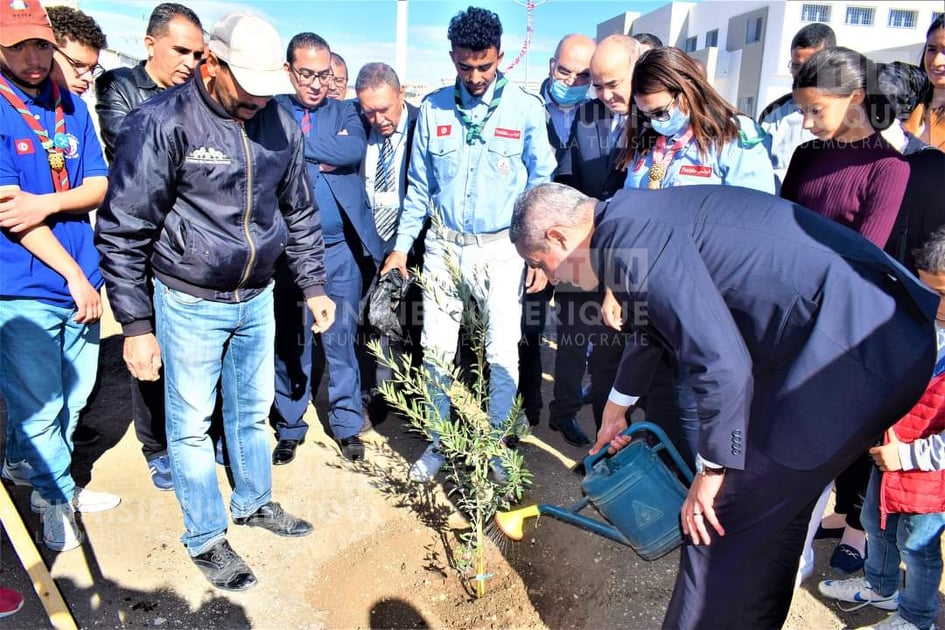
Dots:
(253, 50)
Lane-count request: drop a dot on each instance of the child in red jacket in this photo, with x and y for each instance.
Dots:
(904, 509)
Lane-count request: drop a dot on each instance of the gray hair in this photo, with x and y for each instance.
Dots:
(930, 258)
(542, 207)
(376, 75)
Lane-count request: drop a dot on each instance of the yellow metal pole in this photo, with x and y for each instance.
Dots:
(59, 615)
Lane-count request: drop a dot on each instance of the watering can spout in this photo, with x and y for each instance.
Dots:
(512, 522)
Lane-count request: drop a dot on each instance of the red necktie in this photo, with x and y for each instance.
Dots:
(306, 122)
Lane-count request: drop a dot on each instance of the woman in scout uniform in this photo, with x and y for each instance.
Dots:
(684, 133)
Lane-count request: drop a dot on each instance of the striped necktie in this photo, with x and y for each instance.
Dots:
(306, 123)
(385, 215)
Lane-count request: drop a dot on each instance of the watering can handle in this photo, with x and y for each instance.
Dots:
(638, 427)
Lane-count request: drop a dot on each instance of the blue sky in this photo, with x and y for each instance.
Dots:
(363, 30)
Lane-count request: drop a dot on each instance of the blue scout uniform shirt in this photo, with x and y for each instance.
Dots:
(473, 187)
(23, 163)
(744, 162)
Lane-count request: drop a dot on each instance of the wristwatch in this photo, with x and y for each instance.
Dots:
(708, 471)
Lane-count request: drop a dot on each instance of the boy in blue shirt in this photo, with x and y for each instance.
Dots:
(52, 174)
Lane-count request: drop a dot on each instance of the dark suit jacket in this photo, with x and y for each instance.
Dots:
(326, 144)
(412, 112)
(796, 334)
(590, 163)
(923, 207)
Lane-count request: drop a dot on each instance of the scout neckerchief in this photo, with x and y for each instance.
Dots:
(662, 157)
(54, 147)
(474, 130)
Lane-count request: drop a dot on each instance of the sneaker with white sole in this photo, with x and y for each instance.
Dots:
(19, 473)
(60, 531)
(160, 469)
(894, 622)
(84, 500)
(429, 464)
(857, 591)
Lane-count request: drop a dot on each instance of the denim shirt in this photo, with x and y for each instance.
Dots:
(472, 188)
(744, 162)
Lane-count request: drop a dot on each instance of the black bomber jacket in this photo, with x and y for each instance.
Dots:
(206, 203)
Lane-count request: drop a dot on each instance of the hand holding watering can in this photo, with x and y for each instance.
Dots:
(697, 510)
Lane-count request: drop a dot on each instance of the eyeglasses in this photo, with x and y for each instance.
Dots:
(793, 66)
(80, 68)
(340, 81)
(563, 74)
(662, 114)
(307, 77)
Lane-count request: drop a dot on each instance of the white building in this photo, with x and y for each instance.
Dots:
(745, 45)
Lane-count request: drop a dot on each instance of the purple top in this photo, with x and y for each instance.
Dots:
(858, 184)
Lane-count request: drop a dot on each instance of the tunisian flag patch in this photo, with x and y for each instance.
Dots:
(443, 130)
(24, 146)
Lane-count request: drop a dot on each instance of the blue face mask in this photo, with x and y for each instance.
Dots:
(676, 123)
(567, 96)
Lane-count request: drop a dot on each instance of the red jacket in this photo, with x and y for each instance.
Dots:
(917, 491)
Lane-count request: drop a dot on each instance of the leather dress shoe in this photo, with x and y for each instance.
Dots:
(272, 517)
(224, 568)
(571, 432)
(352, 448)
(284, 452)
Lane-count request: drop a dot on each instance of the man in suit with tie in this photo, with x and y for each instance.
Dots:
(334, 147)
(589, 165)
(389, 122)
(802, 341)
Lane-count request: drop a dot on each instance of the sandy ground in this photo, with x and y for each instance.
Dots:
(380, 556)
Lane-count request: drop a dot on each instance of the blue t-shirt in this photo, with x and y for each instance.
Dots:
(23, 162)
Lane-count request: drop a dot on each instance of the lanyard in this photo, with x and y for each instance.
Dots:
(663, 157)
(474, 130)
(54, 147)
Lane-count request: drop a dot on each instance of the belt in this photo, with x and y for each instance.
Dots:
(464, 238)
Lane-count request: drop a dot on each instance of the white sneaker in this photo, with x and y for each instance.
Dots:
(429, 464)
(894, 622)
(19, 473)
(60, 531)
(857, 591)
(84, 501)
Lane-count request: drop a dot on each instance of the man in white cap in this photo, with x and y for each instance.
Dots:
(225, 172)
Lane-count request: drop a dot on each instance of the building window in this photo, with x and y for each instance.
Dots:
(712, 38)
(691, 43)
(815, 12)
(902, 18)
(755, 29)
(860, 16)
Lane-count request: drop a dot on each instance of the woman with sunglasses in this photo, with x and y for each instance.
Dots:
(684, 133)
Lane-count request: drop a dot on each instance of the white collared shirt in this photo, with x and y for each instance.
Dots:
(369, 164)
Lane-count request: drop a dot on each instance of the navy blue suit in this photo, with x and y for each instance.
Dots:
(802, 342)
(589, 165)
(352, 250)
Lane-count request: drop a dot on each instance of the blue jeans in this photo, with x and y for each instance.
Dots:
(204, 343)
(916, 538)
(48, 366)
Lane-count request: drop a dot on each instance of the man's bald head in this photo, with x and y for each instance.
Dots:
(572, 60)
(611, 71)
